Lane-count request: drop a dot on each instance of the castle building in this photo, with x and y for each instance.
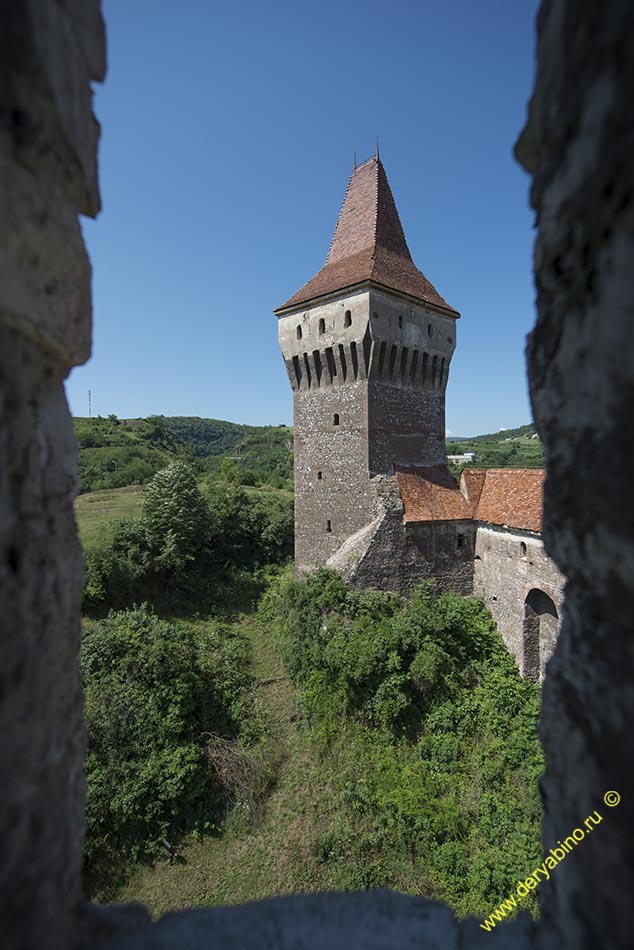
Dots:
(367, 344)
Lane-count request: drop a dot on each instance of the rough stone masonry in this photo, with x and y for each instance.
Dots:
(577, 146)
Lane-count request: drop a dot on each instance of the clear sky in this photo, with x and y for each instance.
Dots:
(228, 132)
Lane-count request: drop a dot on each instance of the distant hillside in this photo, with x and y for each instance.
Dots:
(510, 448)
(528, 431)
(115, 453)
(267, 449)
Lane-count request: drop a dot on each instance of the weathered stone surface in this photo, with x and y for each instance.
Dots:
(508, 566)
(49, 51)
(578, 145)
(377, 920)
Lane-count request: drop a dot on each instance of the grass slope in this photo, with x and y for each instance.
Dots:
(95, 509)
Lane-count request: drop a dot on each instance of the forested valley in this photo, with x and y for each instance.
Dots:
(251, 734)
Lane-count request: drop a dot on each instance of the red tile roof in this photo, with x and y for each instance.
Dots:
(369, 245)
(513, 497)
(430, 494)
(471, 485)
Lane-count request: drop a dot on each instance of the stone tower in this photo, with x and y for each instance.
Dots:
(367, 345)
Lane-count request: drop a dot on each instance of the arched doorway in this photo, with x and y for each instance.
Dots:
(541, 622)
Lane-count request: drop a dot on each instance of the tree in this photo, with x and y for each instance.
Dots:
(176, 516)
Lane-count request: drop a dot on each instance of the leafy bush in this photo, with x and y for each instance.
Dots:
(433, 728)
(161, 699)
(189, 551)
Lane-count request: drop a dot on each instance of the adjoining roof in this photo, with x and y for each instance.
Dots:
(430, 494)
(511, 497)
(369, 245)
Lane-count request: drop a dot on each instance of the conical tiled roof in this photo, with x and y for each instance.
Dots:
(369, 245)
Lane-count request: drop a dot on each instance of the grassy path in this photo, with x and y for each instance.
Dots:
(273, 852)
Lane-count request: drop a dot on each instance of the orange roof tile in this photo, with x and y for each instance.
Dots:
(429, 493)
(471, 485)
(511, 496)
(369, 245)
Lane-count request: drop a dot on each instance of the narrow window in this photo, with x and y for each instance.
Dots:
(449, 339)
(400, 321)
(322, 325)
(459, 540)
(375, 315)
(347, 320)
(299, 333)
(328, 527)
(429, 329)
(335, 420)
(319, 476)
(523, 548)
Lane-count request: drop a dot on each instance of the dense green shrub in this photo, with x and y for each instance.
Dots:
(160, 697)
(190, 550)
(433, 728)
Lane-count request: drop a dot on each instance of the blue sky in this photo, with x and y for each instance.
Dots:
(227, 140)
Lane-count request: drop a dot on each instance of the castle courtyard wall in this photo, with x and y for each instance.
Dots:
(508, 565)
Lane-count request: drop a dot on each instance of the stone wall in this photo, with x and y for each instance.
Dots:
(333, 495)
(49, 52)
(399, 556)
(578, 145)
(508, 566)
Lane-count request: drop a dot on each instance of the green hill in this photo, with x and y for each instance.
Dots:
(527, 431)
(509, 448)
(116, 453)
